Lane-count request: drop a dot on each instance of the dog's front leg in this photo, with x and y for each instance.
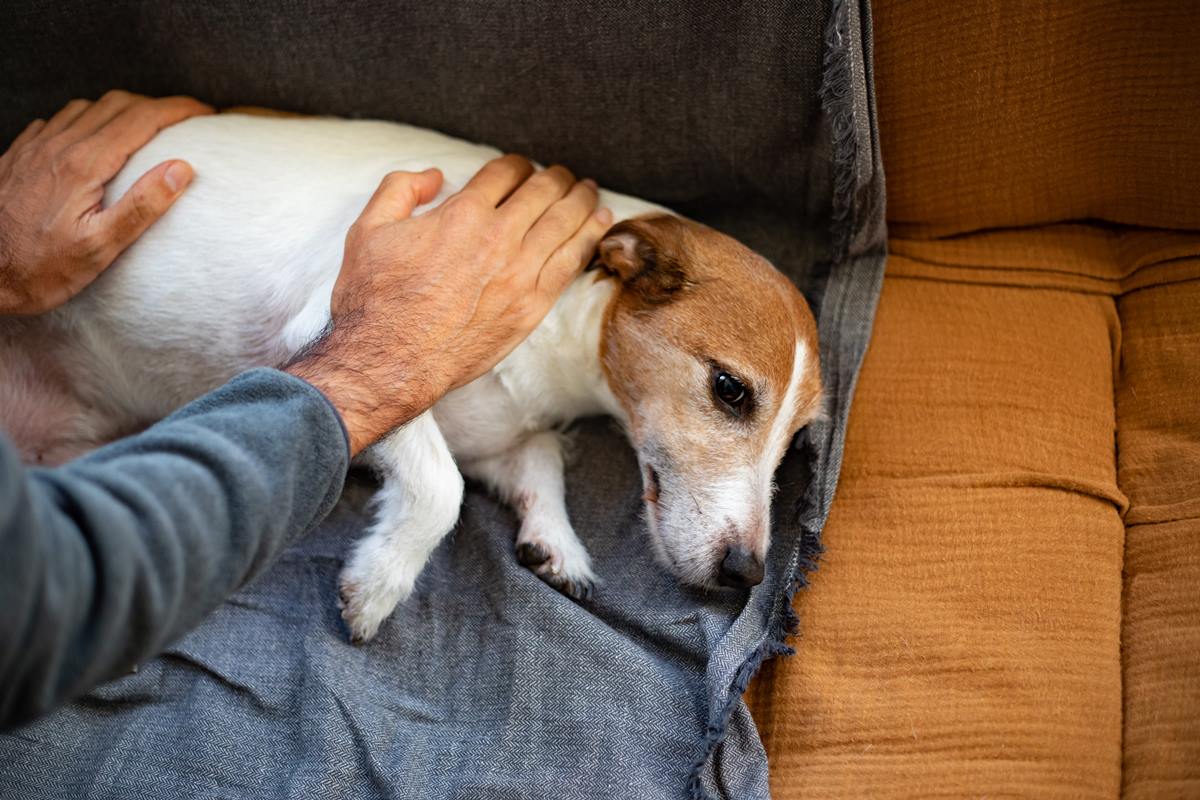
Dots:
(417, 505)
(530, 478)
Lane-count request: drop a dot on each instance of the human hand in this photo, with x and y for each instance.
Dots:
(54, 236)
(424, 305)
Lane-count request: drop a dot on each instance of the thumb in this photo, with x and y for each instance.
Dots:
(400, 193)
(145, 202)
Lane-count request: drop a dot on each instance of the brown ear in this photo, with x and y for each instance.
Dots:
(646, 253)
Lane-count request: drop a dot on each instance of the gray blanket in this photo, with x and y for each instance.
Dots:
(756, 117)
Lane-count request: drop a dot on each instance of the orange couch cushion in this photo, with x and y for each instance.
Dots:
(1158, 442)
(1002, 113)
(962, 635)
(965, 634)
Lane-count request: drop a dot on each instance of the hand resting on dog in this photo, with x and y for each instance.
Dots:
(54, 236)
(425, 305)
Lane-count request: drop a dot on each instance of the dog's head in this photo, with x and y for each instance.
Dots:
(712, 355)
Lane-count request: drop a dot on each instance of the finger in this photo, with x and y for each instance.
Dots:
(29, 134)
(400, 193)
(498, 178)
(68, 114)
(529, 202)
(98, 113)
(134, 126)
(144, 203)
(561, 219)
(569, 260)
(136, 123)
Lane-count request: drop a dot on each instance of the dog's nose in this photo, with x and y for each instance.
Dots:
(740, 568)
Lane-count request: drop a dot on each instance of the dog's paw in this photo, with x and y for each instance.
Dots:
(362, 611)
(367, 596)
(561, 562)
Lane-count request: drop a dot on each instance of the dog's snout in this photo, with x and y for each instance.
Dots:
(740, 568)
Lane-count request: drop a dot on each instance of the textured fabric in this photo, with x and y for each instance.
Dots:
(963, 629)
(643, 99)
(754, 117)
(997, 114)
(111, 557)
(1022, 391)
(1158, 444)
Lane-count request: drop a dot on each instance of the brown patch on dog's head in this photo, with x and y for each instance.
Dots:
(712, 355)
(645, 255)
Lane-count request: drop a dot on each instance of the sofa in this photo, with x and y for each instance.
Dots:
(1009, 600)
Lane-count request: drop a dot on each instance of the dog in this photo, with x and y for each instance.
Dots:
(699, 347)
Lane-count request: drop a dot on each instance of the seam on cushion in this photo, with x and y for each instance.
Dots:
(1086, 223)
(935, 232)
(1117, 283)
(1163, 513)
(1160, 284)
(897, 273)
(997, 284)
(933, 262)
(1005, 480)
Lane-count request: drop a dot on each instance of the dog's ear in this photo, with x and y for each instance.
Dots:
(646, 254)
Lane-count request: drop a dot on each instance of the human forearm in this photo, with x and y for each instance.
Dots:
(372, 396)
(112, 557)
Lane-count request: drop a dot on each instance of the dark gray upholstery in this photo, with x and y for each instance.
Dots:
(755, 117)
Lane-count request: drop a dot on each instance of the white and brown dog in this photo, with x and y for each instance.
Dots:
(699, 347)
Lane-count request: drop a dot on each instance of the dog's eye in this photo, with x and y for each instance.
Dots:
(729, 390)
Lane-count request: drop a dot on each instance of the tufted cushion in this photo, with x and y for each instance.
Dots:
(963, 629)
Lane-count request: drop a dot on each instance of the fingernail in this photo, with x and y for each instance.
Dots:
(590, 182)
(177, 176)
(605, 216)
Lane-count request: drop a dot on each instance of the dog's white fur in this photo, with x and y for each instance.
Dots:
(240, 274)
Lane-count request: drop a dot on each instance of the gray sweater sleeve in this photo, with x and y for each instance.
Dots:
(107, 560)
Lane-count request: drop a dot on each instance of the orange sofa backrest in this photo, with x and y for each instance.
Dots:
(1002, 113)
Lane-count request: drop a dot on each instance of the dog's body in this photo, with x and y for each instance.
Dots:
(240, 274)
